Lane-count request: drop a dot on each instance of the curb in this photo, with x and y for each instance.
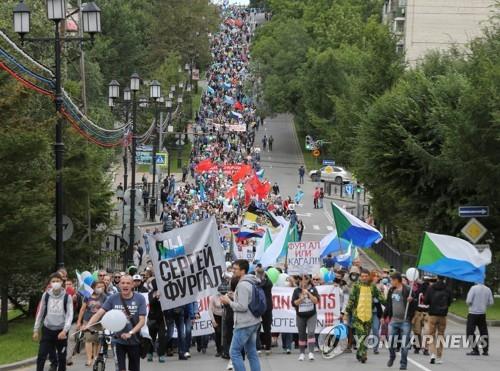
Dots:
(17, 365)
(463, 321)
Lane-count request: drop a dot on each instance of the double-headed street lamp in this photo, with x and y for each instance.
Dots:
(91, 23)
(155, 95)
(113, 95)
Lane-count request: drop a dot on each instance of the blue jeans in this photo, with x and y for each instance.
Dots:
(399, 332)
(286, 341)
(188, 325)
(245, 339)
(178, 322)
(376, 330)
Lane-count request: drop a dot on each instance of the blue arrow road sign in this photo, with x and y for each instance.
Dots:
(473, 211)
(349, 189)
(328, 163)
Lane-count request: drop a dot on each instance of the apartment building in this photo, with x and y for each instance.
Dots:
(424, 25)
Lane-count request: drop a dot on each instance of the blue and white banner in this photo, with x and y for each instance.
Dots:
(187, 262)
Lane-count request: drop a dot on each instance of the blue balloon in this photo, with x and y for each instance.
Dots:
(329, 276)
(340, 331)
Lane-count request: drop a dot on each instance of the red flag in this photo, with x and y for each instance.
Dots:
(263, 190)
(232, 192)
(241, 173)
(203, 166)
(238, 106)
(254, 182)
(249, 193)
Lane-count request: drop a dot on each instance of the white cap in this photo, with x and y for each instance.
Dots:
(137, 277)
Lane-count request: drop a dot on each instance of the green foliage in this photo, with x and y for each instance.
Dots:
(325, 61)
(431, 144)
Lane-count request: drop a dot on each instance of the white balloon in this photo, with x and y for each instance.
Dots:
(412, 274)
(282, 280)
(114, 320)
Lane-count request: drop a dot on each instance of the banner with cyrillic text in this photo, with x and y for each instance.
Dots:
(303, 257)
(188, 263)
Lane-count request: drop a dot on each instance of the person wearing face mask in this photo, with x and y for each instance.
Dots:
(89, 307)
(54, 317)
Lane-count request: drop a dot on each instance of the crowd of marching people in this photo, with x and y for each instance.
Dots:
(375, 305)
(225, 180)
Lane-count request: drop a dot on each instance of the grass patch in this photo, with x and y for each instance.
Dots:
(17, 345)
(183, 155)
(461, 309)
(380, 261)
(196, 97)
(13, 314)
(311, 162)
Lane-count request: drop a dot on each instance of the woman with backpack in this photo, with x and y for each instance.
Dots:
(90, 307)
(304, 299)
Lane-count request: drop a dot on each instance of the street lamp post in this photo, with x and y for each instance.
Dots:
(91, 22)
(126, 98)
(169, 127)
(155, 94)
(134, 87)
(113, 95)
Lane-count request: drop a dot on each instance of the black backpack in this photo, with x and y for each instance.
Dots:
(440, 302)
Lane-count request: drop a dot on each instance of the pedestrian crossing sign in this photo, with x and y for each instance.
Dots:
(162, 159)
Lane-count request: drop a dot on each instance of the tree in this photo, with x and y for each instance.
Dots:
(25, 190)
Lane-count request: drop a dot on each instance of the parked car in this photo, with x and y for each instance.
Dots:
(334, 174)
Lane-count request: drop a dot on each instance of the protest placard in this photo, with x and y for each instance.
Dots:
(284, 315)
(303, 257)
(187, 262)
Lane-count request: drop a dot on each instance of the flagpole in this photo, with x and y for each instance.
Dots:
(336, 230)
(420, 250)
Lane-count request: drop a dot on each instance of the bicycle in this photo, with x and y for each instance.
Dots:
(104, 342)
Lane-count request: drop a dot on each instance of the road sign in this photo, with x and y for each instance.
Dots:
(349, 189)
(67, 228)
(162, 159)
(143, 157)
(474, 230)
(473, 211)
(328, 162)
(316, 153)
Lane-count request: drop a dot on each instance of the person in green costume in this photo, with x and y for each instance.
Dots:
(360, 308)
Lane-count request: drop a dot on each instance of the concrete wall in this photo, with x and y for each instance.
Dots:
(438, 24)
